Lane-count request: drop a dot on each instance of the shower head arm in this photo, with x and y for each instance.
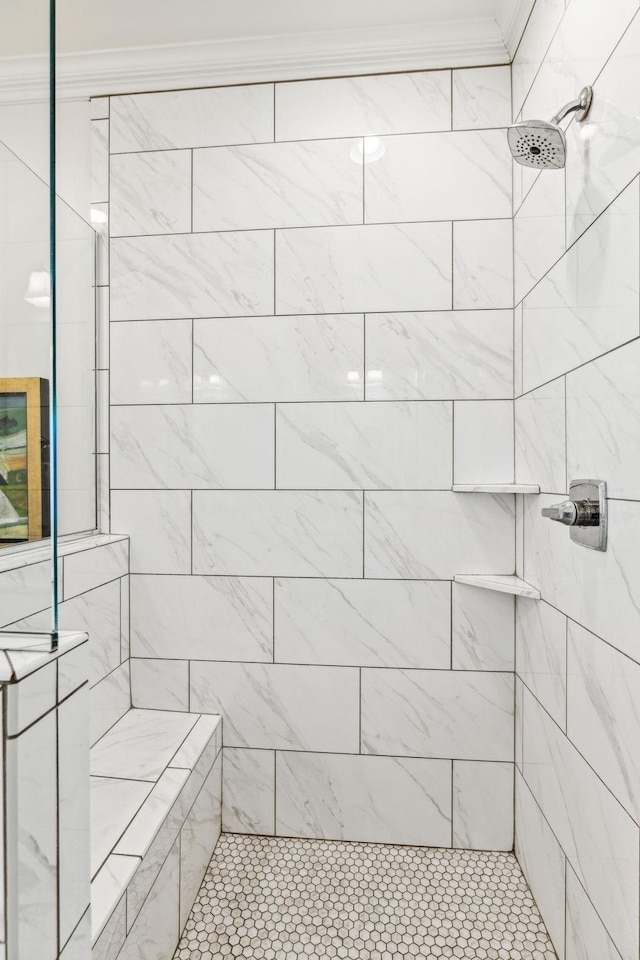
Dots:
(580, 106)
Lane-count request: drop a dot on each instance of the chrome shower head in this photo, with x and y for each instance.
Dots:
(542, 143)
(538, 143)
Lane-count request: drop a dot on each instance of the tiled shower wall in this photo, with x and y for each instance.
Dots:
(578, 415)
(294, 333)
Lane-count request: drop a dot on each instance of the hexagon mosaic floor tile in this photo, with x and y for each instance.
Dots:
(271, 898)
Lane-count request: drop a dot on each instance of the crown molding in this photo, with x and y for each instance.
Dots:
(511, 17)
(418, 46)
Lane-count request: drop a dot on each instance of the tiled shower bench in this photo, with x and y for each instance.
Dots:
(155, 821)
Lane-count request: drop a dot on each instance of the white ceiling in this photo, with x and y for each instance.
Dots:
(115, 46)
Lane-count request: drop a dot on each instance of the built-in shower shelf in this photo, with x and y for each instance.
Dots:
(496, 488)
(501, 584)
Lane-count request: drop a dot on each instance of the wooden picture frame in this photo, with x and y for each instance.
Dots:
(24, 459)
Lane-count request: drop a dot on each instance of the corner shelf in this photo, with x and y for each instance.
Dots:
(496, 488)
(501, 584)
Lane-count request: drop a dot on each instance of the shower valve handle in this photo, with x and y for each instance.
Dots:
(578, 513)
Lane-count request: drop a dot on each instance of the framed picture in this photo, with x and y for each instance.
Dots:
(24, 459)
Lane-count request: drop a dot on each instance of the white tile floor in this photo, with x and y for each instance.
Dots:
(278, 899)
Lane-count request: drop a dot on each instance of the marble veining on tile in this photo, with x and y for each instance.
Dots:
(141, 745)
(318, 898)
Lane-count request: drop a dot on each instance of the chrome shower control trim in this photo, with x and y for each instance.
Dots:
(585, 512)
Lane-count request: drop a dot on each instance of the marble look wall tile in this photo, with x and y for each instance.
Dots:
(74, 872)
(73, 670)
(78, 946)
(192, 118)
(201, 747)
(110, 700)
(150, 193)
(481, 97)
(107, 891)
(541, 655)
(433, 356)
(141, 744)
(151, 362)
(356, 446)
(601, 591)
(482, 805)
(364, 106)
(483, 442)
(603, 713)
(88, 569)
(579, 49)
(586, 934)
(517, 350)
(588, 303)
(248, 791)
(292, 358)
(374, 799)
(317, 183)
(538, 232)
(100, 161)
(464, 714)
(434, 535)
(542, 24)
(387, 267)
(541, 438)
(482, 629)
(543, 862)
(605, 858)
(469, 177)
(182, 446)
(160, 684)
(192, 275)
(110, 941)
(156, 930)
(31, 842)
(114, 803)
(278, 533)
(603, 421)
(604, 154)
(98, 613)
(25, 589)
(215, 618)
(198, 839)
(159, 524)
(99, 108)
(125, 619)
(482, 264)
(375, 623)
(28, 700)
(278, 706)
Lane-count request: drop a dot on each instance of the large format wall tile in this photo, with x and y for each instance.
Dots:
(604, 155)
(312, 184)
(186, 446)
(462, 355)
(588, 303)
(151, 362)
(586, 935)
(98, 613)
(150, 193)
(541, 655)
(598, 837)
(159, 684)
(462, 714)
(538, 232)
(354, 269)
(364, 106)
(541, 444)
(603, 421)
(248, 791)
(543, 22)
(482, 805)
(481, 97)
(192, 275)
(481, 629)
(440, 176)
(202, 618)
(482, 264)
(599, 590)
(483, 442)
(192, 118)
(434, 535)
(359, 446)
(279, 706)
(278, 533)
(543, 862)
(73, 811)
(159, 524)
(374, 623)
(603, 713)
(291, 358)
(375, 799)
